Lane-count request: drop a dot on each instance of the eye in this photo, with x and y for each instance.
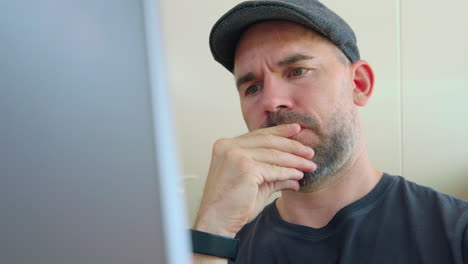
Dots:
(253, 89)
(295, 72)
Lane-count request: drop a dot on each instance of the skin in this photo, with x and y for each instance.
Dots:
(281, 66)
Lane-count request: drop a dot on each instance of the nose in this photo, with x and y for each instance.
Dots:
(275, 95)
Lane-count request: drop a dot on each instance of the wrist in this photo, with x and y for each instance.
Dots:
(214, 228)
(214, 220)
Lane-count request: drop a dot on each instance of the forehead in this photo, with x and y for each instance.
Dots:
(274, 39)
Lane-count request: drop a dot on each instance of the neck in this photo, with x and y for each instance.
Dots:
(315, 209)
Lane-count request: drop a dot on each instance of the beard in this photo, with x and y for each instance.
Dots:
(333, 150)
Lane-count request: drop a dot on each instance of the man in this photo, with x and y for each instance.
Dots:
(301, 81)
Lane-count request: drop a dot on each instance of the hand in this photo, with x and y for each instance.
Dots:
(245, 171)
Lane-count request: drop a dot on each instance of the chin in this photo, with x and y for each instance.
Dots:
(314, 181)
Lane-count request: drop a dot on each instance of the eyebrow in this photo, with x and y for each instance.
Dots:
(293, 59)
(245, 78)
(286, 61)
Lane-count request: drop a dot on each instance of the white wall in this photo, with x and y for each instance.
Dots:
(416, 124)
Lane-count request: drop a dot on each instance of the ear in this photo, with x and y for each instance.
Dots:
(363, 78)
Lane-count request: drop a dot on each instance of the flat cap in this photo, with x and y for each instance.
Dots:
(310, 13)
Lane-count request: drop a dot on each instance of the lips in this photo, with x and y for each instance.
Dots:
(303, 126)
(287, 117)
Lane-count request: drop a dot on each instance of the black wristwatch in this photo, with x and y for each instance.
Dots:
(214, 245)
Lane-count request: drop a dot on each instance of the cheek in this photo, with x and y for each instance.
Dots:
(249, 114)
(311, 97)
(324, 96)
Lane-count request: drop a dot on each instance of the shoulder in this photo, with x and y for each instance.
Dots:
(430, 204)
(433, 217)
(419, 194)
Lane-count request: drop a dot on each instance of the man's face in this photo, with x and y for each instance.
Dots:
(286, 73)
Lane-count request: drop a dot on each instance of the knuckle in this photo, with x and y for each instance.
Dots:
(281, 172)
(276, 156)
(259, 131)
(269, 139)
(245, 164)
(297, 144)
(265, 131)
(234, 154)
(286, 171)
(220, 145)
(276, 169)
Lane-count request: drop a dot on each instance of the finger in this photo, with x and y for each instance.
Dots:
(286, 185)
(276, 142)
(283, 130)
(273, 173)
(282, 159)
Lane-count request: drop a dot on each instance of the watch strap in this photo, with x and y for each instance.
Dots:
(214, 245)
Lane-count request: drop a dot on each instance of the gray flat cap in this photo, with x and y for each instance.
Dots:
(310, 13)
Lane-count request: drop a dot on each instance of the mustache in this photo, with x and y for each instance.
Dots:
(287, 117)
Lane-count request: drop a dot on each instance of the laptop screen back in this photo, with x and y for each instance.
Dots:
(81, 126)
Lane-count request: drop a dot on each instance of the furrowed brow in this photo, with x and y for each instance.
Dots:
(244, 78)
(293, 59)
(286, 61)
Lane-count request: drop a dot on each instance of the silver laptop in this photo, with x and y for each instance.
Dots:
(88, 168)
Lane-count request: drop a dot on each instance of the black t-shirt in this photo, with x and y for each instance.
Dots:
(397, 222)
